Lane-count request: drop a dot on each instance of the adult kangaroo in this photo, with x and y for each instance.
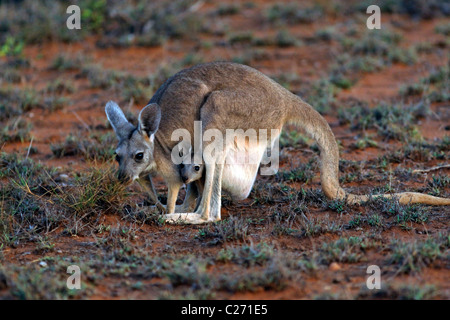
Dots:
(223, 96)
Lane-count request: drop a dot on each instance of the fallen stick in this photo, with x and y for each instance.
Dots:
(431, 169)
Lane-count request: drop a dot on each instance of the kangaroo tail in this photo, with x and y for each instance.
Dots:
(303, 115)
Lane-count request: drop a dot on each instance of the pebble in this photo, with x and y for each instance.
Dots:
(334, 266)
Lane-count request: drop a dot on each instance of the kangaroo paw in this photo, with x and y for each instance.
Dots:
(185, 218)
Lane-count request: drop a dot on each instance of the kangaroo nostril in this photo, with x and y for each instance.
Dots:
(184, 179)
(123, 177)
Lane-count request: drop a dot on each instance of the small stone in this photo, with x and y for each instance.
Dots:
(334, 266)
(43, 264)
(338, 279)
(64, 177)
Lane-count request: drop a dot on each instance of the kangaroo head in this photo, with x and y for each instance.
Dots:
(134, 152)
(189, 171)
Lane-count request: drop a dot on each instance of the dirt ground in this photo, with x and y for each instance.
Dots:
(286, 241)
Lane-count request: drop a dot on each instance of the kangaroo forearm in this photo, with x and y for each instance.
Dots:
(147, 183)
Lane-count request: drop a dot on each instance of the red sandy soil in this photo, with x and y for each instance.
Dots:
(308, 61)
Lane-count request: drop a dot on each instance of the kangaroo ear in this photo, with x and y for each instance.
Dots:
(149, 119)
(117, 119)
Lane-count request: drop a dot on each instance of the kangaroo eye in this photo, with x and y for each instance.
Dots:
(197, 168)
(139, 156)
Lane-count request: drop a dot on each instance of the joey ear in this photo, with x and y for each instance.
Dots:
(118, 120)
(149, 119)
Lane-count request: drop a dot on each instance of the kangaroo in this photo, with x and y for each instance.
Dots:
(193, 173)
(223, 95)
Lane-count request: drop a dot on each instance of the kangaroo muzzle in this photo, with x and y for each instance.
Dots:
(123, 177)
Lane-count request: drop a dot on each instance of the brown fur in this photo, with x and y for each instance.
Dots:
(227, 95)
